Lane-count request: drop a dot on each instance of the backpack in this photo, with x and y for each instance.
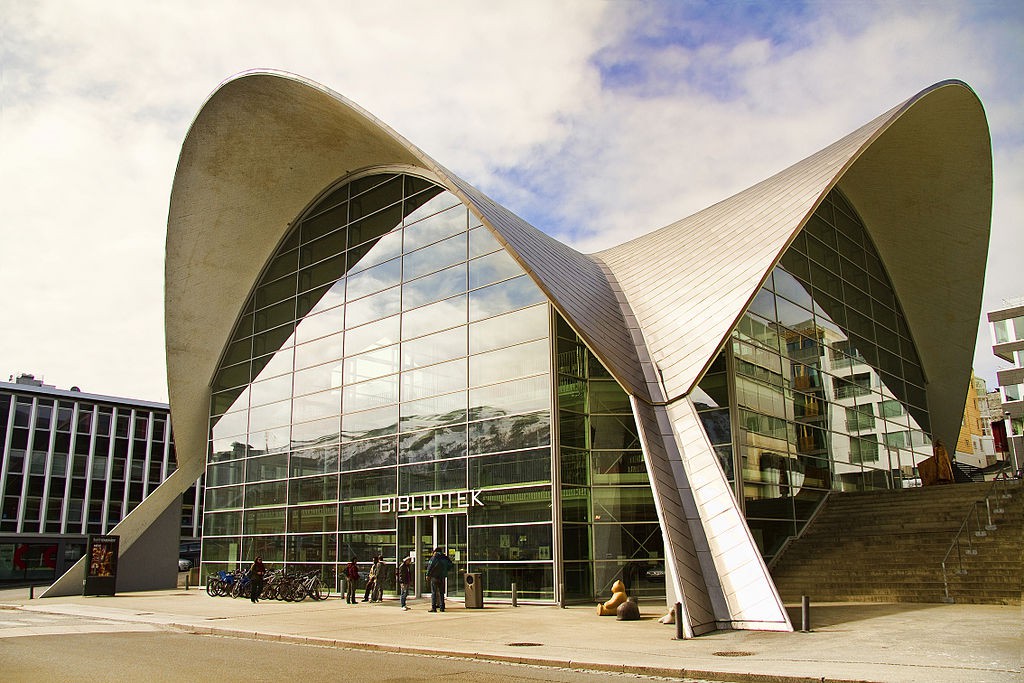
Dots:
(440, 566)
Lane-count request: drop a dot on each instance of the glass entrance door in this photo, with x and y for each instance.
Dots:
(418, 535)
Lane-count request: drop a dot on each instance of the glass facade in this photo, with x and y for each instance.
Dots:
(75, 465)
(397, 382)
(820, 387)
(386, 390)
(610, 525)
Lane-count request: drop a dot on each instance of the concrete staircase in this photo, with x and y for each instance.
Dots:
(888, 546)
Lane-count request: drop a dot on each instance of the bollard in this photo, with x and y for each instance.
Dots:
(561, 595)
(31, 592)
(679, 621)
(515, 596)
(187, 574)
(805, 613)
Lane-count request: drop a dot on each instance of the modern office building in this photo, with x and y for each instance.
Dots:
(1007, 327)
(75, 464)
(366, 354)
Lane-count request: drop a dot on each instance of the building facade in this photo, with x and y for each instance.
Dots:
(76, 464)
(1007, 327)
(367, 355)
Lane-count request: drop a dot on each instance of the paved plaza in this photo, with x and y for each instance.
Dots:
(924, 643)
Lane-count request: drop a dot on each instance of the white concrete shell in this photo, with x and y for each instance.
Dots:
(655, 310)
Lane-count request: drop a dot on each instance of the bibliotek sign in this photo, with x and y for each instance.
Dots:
(432, 501)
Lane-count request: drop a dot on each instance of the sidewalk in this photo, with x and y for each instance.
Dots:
(912, 643)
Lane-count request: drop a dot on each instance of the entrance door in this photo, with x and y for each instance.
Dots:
(418, 535)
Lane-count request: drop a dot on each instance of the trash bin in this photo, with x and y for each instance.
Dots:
(474, 591)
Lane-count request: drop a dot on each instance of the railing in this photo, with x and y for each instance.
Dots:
(998, 490)
(790, 540)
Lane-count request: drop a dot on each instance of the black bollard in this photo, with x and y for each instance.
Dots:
(679, 621)
(805, 613)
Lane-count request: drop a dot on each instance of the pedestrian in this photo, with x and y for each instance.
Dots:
(437, 571)
(380, 580)
(371, 581)
(351, 581)
(255, 573)
(404, 576)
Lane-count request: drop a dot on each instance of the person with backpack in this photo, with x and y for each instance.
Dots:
(437, 571)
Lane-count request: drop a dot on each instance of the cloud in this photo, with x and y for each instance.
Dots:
(595, 121)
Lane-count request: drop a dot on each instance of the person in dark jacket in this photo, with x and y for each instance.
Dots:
(404, 575)
(256, 572)
(351, 581)
(437, 571)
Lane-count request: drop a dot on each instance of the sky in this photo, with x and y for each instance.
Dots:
(595, 121)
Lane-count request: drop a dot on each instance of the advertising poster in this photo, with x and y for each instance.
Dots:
(101, 571)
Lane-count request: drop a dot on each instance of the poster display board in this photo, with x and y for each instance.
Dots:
(101, 572)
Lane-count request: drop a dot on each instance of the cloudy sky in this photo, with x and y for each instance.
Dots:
(595, 121)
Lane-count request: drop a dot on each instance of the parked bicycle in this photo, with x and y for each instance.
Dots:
(278, 584)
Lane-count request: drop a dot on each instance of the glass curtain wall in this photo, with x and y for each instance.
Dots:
(392, 357)
(610, 525)
(825, 389)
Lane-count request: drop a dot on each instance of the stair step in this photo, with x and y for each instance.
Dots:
(889, 546)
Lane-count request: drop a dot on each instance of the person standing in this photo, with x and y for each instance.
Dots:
(380, 580)
(371, 582)
(256, 572)
(351, 581)
(404, 576)
(437, 571)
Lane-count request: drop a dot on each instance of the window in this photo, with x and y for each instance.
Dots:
(853, 385)
(861, 417)
(864, 449)
(889, 409)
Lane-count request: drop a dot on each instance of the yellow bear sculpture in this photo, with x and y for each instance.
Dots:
(618, 597)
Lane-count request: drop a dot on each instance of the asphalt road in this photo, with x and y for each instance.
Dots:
(126, 652)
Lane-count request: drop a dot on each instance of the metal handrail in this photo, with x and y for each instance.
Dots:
(979, 532)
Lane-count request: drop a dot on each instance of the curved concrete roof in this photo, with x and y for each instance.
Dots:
(921, 177)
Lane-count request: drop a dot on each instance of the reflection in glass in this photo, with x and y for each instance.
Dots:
(434, 348)
(318, 432)
(529, 323)
(440, 475)
(320, 325)
(518, 396)
(370, 365)
(357, 455)
(373, 336)
(369, 423)
(434, 411)
(503, 297)
(481, 242)
(374, 280)
(510, 363)
(435, 257)
(492, 268)
(318, 352)
(374, 307)
(440, 285)
(432, 444)
(374, 393)
(434, 379)
(436, 227)
(434, 317)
